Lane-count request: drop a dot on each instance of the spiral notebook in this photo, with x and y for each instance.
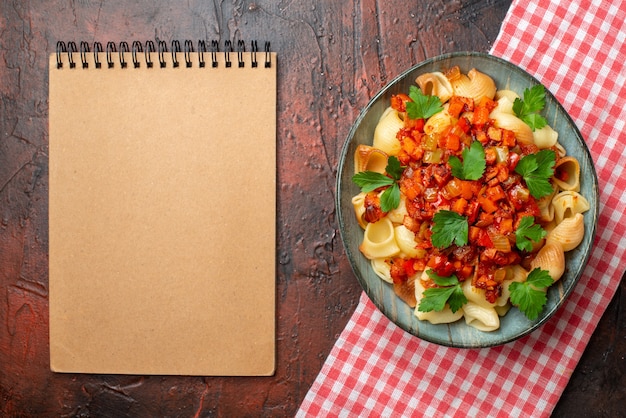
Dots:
(162, 208)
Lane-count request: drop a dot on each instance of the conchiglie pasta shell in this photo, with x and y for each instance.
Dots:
(406, 241)
(386, 130)
(438, 122)
(560, 151)
(546, 208)
(368, 158)
(382, 269)
(483, 318)
(571, 167)
(379, 240)
(474, 294)
(523, 133)
(435, 84)
(503, 310)
(545, 137)
(568, 203)
(358, 204)
(397, 215)
(551, 258)
(475, 85)
(504, 105)
(445, 316)
(509, 95)
(569, 233)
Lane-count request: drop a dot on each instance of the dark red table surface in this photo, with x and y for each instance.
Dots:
(333, 56)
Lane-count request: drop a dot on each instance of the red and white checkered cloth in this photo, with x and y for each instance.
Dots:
(577, 49)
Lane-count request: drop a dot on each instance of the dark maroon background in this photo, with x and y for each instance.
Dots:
(333, 56)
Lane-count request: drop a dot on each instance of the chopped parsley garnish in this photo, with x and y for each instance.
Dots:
(450, 292)
(528, 109)
(530, 296)
(528, 232)
(449, 227)
(473, 165)
(371, 180)
(537, 169)
(422, 106)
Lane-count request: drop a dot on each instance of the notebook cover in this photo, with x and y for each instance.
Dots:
(162, 216)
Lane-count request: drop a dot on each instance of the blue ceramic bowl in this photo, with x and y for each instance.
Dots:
(514, 324)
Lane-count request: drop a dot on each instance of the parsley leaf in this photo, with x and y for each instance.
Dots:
(537, 169)
(528, 231)
(449, 227)
(528, 109)
(530, 296)
(435, 298)
(390, 199)
(473, 165)
(394, 169)
(371, 180)
(422, 106)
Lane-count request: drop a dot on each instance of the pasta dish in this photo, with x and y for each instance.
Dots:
(468, 201)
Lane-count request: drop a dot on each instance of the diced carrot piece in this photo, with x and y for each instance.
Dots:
(464, 124)
(495, 134)
(488, 103)
(459, 206)
(466, 190)
(398, 102)
(456, 106)
(495, 193)
(453, 142)
(481, 116)
(487, 204)
(506, 226)
(508, 138)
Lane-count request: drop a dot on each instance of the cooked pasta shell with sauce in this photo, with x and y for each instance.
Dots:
(382, 269)
(569, 233)
(560, 151)
(445, 316)
(385, 133)
(551, 258)
(504, 105)
(545, 137)
(503, 310)
(567, 174)
(379, 240)
(405, 239)
(475, 85)
(568, 203)
(509, 95)
(368, 158)
(439, 122)
(515, 273)
(546, 208)
(358, 204)
(480, 317)
(435, 84)
(474, 294)
(397, 215)
(523, 133)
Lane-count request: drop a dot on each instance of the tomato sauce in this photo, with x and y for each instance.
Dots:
(494, 204)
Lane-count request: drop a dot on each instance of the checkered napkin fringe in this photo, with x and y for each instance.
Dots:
(577, 49)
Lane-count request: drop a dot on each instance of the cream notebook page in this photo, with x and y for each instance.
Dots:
(162, 214)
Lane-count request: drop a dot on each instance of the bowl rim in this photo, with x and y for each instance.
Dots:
(593, 211)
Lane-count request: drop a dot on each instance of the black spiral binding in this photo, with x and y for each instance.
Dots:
(148, 48)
